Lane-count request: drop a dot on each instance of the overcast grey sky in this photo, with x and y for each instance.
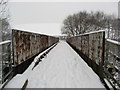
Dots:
(24, 14)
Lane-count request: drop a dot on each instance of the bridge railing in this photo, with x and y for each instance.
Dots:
(103, 56)
(5, 61)
(91, 48)
(27, 45)
(112, 62)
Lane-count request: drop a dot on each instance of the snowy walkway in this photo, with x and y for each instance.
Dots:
(62, 68)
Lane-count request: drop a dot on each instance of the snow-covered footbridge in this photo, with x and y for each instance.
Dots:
(62, 67)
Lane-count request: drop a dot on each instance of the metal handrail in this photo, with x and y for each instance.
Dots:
(5, 42)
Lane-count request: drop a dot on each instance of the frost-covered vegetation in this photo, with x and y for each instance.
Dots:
(83, 22)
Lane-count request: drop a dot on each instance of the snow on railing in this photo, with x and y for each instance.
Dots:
(113, 41)
(4, 42)
(89, 33)
(112, 62)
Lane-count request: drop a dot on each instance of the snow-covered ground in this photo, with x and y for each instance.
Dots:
(61, 68)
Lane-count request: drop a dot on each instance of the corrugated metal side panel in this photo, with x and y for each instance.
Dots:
(96, 47)
(21, 46)
(91, 45)
(85, 44)
(52, 40)
(27, 45)
(78, 44)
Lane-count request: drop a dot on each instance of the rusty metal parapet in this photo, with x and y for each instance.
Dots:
(27, 44)
(91, 45)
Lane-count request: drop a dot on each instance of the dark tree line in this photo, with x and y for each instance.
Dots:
(83, 22)
(5, 30)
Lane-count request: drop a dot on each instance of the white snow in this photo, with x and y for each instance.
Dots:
(17, 82)
(36, 58)
(108, 83)
(62, 68)
(113, 41)
(4, 42)
(92, 32)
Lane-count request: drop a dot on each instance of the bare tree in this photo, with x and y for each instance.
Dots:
(83, 22)
(68, 26)
(4, 20)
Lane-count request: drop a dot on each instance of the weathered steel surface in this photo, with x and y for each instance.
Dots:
(91, 45)
(26, 45)
(96, 47)
(52, 40)
(78, 43)
(85, 44)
